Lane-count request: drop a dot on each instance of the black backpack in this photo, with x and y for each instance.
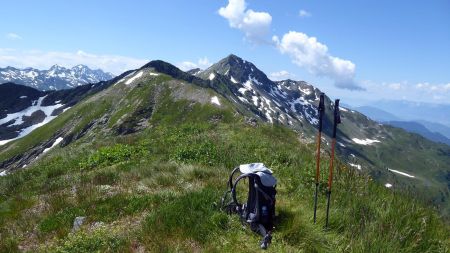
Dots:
(259, 211)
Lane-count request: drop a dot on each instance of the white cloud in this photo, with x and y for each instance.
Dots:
(437, 88)
(280, 75)
(422, 91)
(204, 62)
(447, 87)
(115, 64)
(201, 63)
(312, 55)
(255, 25)
(304, 14)
(13, 36)
(396, 85)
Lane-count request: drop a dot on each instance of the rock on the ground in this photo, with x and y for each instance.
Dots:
(77, 223)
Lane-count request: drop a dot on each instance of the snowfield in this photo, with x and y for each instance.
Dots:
(125, 78)
(211, 76)
(364, 141)
(134, 78)
(388, 185)
(17, 117)
(242, 90)
(305, 91)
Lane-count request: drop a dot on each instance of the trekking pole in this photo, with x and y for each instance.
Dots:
(321, 111)
(337, 120)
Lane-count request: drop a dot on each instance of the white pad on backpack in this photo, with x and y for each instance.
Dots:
(253, 168)
(264, 173)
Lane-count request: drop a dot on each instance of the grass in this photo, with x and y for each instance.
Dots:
(158, 190)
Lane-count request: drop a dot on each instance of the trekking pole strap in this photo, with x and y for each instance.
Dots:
(321, 110)
(337, 117)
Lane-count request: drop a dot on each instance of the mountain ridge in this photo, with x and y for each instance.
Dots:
(433, 132)
(55, 78)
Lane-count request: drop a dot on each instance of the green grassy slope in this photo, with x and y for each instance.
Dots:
(157, 189)
(427, 161)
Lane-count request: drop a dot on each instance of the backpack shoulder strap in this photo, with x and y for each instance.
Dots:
(230, 180)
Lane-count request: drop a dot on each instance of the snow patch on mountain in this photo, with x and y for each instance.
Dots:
(364, 141)
(124, 78)
(18, 118)
(211, 76)
(402, 173)
(248, 84)
(215, 100)
(243, 99)
(357, 166)
(255, 100)
(138, 75)
(305, 91)
(36, 106)
(57, 141)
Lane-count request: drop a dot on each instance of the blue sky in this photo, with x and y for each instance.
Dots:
(357, 50)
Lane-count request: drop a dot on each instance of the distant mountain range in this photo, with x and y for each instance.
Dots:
(55, 78)
(418, 128)
(414, 111)
(377, 114)
(430, 130)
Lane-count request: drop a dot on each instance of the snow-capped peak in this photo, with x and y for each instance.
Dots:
(55, 78)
